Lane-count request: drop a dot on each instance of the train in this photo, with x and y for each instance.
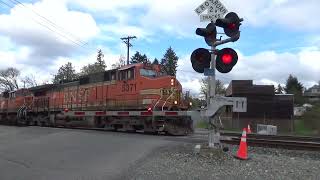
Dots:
(134, 97)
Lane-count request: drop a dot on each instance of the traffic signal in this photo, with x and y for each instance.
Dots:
(230, 24)
(209, 33)
(200, 59)
(226, 59)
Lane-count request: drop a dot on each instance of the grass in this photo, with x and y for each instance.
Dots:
(202, 124)
(309, 123)
(301, 129)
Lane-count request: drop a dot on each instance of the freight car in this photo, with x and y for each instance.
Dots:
(130, 98)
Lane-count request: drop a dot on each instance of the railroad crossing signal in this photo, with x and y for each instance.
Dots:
(226, 59)
(230, 24)
(200, 59)
(209, 33)
(223, 60)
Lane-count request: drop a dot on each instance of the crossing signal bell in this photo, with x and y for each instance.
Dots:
(230, 24)
(226, 59)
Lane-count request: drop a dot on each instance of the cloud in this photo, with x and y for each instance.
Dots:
(179, 18)
(44, 40)
(291, 15)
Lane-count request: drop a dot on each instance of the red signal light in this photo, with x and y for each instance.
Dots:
(226, 58)
(232, 26)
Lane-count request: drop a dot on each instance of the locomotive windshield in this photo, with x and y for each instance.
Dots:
(148, 73)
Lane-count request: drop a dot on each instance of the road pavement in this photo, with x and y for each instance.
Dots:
(55, 153)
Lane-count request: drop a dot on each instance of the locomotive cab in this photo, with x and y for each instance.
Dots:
(158, 90)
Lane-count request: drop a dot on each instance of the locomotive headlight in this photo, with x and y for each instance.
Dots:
(175, 102)
(190, 103)
(172, 82)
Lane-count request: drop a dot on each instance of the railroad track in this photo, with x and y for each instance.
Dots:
(286, 142)
(278, 141)
(276, 137)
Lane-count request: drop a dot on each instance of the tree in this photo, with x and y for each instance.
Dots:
(155, 61)
(98, 66)
(204, 87)
(122, 62)
(65, 73)
(100, 61)
(279, 89)
(139, 58)
(29, 81)
(169, 62)
(9, 79)
(293, 86)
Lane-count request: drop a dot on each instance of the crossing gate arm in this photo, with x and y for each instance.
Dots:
(239, 104)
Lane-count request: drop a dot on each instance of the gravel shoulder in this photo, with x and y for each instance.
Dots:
(180, 162)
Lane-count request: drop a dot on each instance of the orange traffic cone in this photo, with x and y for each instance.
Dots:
(249, 130)
(243, 150)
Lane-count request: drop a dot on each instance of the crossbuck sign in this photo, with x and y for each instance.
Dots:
(215, 10)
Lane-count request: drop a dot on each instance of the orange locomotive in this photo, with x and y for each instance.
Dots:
(133, 97)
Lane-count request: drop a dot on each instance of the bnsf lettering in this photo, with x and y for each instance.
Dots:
(72, 96)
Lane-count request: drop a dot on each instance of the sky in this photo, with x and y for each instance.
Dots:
(278, 37)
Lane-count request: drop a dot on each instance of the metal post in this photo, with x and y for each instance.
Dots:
(212, 79)
(214, 134)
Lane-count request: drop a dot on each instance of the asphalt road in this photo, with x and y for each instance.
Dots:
(49, 153)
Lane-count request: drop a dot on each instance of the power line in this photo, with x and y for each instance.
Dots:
(49, 21)
(49, 28)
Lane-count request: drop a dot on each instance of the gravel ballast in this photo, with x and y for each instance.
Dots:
(180, 162)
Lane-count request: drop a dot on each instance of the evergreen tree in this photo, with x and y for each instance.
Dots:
(139, 58)
(65, 73)
(293, 86)
(98, 66)
(155, 61)
(170, 62)
(100, 61)
(279, 89)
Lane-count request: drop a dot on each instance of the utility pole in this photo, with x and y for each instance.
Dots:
(126, 40)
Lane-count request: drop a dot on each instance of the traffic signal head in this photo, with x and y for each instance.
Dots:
(230, 24)
(209, 33)
(226, 59)
(200, 59)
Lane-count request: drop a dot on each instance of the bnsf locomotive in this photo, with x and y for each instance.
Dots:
(130, 98)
